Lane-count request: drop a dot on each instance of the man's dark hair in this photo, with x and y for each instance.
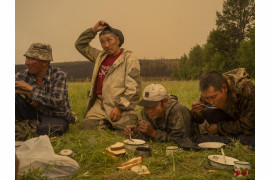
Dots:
(212, 78)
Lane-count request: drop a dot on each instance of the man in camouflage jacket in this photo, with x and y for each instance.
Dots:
(163, 118)
(227, 103)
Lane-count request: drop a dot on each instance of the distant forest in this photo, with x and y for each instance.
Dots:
(229, 46)
(82, 70)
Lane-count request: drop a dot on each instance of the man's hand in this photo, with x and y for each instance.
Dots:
(197, 108)
(131, 129)
(212, 129)
(115, 114)
(147, 128)
(23, 87)
(19, 91)
(100, 25)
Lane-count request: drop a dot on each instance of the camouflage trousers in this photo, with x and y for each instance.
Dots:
(30, 122)
(25, 129)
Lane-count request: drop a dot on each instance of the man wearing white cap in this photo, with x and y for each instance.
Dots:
(163, 118)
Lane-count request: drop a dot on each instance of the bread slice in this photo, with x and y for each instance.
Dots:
(117, 146)
(115, 152)
(131, 163)
(140, 169)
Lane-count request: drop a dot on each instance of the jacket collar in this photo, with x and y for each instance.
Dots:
(117, 62)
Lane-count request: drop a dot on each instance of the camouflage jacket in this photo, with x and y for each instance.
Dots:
(122, 84)
(176, 123)
(52, 97)
(240, 105)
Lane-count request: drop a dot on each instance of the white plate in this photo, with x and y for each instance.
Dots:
(211, 145)
(136, 142)
(218, 161)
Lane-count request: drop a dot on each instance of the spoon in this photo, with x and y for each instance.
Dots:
(130, 137)
(223, 154)
(210, 107)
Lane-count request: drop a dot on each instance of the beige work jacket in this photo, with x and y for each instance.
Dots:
(122, 84)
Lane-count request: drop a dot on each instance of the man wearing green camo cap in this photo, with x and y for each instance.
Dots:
(40, 51)
(41, 101)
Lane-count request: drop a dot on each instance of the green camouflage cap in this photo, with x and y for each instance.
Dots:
(40, 51)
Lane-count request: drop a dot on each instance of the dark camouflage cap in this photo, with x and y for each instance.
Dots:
(40, 51)
(117, 32)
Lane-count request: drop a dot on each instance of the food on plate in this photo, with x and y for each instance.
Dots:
(140, 169)
(131, 163)
(117, 146)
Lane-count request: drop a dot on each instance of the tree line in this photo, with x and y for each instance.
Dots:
(231, 45)
(82, 70)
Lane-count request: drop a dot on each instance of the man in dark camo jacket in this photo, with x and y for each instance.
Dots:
(163, 118)
(227, 103)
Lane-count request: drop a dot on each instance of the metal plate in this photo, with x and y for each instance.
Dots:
(212, 145)
(218, 161)
(136, 142)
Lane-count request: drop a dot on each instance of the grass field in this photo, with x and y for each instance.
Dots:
(95, 163)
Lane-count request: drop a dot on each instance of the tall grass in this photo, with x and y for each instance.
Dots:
(95, 163)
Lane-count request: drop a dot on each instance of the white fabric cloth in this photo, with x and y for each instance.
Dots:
(38, 152)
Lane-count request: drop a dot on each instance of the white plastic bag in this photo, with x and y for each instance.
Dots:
(38, 152)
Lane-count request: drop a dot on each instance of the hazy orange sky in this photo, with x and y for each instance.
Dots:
(153, 29)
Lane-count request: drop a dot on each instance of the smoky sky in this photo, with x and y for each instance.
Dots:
(153, 29)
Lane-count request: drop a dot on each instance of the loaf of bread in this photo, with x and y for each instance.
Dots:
(140, 169)
(115, 152)
(131, 163)
(117, 146)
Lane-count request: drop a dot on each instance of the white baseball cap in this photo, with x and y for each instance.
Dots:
(153, 94)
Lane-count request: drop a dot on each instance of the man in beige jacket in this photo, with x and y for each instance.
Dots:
(116, 85)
